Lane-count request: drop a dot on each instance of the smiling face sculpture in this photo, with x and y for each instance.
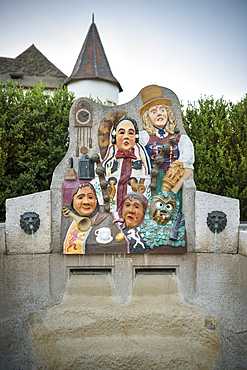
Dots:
(162, 208)
(85, 201)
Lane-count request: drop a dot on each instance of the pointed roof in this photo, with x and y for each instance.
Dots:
(92, 62)
(30, 67)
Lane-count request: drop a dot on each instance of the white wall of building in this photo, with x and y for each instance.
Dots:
(97, 88)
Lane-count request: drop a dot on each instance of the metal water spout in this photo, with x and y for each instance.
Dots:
(216, 222)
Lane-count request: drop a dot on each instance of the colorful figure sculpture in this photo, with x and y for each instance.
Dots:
(160, 124)
(137, 187)
(133, 210)
(91, 231)
(162, 208)
(85, 200)
(111, 188)
(125, 158)
(164, 226)
(84, 208)
(114, 212)
(132, 215)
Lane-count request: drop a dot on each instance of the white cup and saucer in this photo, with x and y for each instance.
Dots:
(103, 235)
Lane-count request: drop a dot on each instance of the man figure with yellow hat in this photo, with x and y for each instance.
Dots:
(160, 125)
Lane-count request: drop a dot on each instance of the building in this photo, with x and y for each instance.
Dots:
(92, 74)
(29, 68)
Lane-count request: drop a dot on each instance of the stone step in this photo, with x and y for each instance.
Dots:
(124, 352)
(90, 330)
(89, 307)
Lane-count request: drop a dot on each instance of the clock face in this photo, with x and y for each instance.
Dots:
(83, 116)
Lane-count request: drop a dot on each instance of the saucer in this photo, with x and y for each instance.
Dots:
(98, 240)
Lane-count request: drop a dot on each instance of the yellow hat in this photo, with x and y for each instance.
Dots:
(152, 95)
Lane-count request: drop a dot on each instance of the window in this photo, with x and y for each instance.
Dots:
(110, 103)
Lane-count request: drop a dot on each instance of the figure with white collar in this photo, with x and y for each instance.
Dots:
(125, 158)
(160, 125)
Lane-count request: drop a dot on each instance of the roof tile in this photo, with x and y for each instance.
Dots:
(92, 61)
(34, 66)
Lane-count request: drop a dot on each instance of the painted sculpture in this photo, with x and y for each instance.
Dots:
(164, 226)
(92, 230)
(131, 217)
(131, 200)
(125, 159)
(84, 208)
(162, 135)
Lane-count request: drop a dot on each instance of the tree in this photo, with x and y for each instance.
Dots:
(33, 138)
(218, 131)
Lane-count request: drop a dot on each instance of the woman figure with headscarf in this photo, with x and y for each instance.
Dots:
(80, 240)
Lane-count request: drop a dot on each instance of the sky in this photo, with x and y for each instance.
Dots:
(193, 47)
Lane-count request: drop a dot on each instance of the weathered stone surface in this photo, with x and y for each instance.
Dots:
(17, 241)
(218, 281)
(213, 286)
(123, 279)
(243, 242)
(2, 239)
(154, 330)
(189, 191)
(227, 240)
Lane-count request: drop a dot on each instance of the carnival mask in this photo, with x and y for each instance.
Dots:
(162, 208)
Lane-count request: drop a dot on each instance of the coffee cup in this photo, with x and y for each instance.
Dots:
(103, 235)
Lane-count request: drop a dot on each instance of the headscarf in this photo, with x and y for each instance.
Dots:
(84, 185)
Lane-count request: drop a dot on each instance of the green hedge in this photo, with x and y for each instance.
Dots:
(33, 136)
(218, 130)
(34, 139)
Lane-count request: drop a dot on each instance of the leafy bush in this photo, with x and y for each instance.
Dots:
(218, 131)
(33, 138)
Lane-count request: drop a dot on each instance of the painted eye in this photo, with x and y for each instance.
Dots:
(162, 110)
(169, 207)
(158, 205)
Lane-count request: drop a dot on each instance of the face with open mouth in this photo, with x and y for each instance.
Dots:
(125, 135)
(162, 209)
(132, 212)
(84, 201)
(158, 115)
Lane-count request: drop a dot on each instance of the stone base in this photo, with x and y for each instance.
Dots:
(243, 242)
(123, 320)
(19, 242)
(154, 331)
(207, 241)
